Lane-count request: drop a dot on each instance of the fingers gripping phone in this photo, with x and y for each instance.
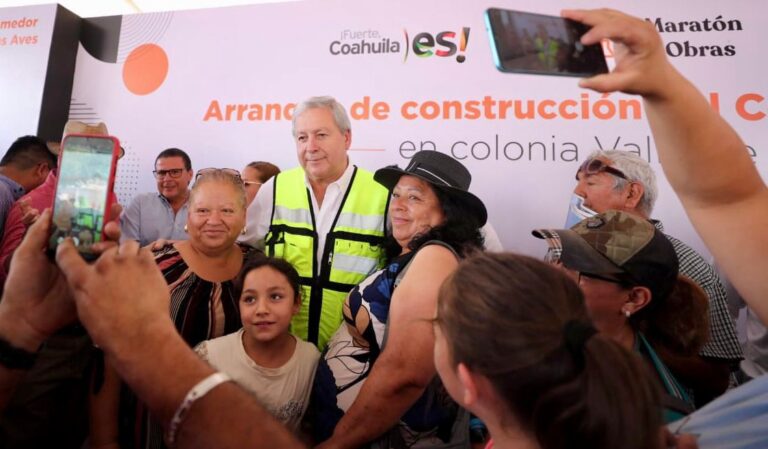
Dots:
(537, 44)
(85, 179)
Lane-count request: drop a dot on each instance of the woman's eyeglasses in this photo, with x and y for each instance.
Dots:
(595, 166)
(228, 171)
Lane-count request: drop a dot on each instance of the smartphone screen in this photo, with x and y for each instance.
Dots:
(84, 181)
(533, 43)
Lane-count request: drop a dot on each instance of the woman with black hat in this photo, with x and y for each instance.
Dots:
(378, 382)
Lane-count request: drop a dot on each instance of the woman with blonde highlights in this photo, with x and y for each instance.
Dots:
(201, 274)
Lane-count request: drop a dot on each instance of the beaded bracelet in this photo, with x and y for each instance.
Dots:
(201, 389)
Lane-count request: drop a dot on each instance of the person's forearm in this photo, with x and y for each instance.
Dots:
(159, 367)
(382, 401)
(17, 334)
(230, 418)
(226, 417)
(704, 159)
(709, 168)
(104, 408)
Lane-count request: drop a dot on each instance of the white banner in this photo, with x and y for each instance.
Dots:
(221, 84)
(25, 44)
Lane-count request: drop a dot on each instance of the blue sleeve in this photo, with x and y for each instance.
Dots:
(130, 221)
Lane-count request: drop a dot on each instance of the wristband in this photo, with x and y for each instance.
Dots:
(12, 357)
(201, 389)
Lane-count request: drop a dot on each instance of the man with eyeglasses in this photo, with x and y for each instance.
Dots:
(620, 180)
(152, 216)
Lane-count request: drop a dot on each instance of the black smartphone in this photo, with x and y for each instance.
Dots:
(82, 202)
(524, 42)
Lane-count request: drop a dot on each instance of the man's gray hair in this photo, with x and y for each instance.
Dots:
(339, 113)
(637, 170)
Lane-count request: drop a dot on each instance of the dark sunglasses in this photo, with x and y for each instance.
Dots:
(595, 166)
(228, 171)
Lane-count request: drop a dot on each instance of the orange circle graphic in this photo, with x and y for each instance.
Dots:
(145, 69)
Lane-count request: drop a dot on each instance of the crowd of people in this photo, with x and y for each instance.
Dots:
(332, 307)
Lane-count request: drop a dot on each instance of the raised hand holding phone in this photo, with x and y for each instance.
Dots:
(82, 202)
(642, 66)
(541, 45)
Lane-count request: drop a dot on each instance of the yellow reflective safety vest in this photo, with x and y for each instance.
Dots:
(353, 248)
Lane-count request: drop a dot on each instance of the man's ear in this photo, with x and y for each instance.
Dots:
(634, 195)
(42, 169)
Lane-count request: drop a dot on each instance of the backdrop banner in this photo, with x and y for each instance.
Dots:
(222, 84)
(25, 42)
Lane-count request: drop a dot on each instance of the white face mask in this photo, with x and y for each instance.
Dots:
(577, 211)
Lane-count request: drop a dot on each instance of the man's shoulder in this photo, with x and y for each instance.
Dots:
(683, 250)
(6, 188)
(146, 199)
(293, 173)
(692, 264)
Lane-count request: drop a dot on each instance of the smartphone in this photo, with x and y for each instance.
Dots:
(523, 42)
(85, 179)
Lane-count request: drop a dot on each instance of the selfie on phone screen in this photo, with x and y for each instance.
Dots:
(540, 44)
(81, 193)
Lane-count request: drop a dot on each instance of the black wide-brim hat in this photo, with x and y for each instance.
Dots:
(443, 172)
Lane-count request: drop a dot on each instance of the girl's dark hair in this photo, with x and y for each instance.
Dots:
(504, 316)
(280, 265)
(460, 230)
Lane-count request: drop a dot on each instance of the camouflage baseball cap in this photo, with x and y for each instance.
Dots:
(618, 245)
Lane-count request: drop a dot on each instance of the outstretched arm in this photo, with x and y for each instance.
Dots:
(122, 299)
(704, 159)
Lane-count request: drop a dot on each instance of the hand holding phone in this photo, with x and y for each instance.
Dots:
(538, 44)
(82, 203)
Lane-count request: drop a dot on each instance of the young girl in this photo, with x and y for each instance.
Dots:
(263, 357)
(514, 345)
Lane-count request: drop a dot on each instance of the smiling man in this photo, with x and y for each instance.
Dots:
(326, 217)
(162, 215)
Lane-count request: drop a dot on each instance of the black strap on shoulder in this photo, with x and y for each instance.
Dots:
(274, 198)
(346, 195)
(316, 291)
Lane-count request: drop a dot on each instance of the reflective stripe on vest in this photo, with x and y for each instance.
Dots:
(352, 249)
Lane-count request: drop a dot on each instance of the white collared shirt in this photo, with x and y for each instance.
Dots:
(259, 214)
